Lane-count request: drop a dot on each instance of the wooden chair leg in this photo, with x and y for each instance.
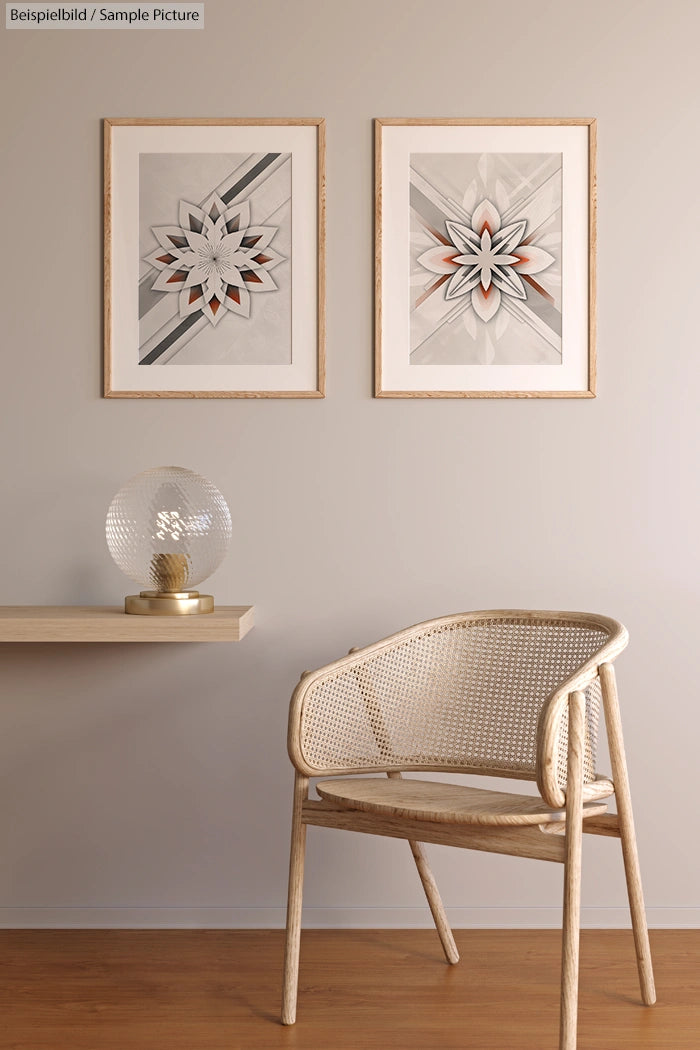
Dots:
(294, 899)
(572, 873)
(426, 876)
(627, 836)
(435, 903)
(432, 893)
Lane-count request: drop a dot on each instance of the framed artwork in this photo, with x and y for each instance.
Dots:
(214, 258)
(485, 258)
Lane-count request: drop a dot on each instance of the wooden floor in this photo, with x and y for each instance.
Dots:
(359, 990)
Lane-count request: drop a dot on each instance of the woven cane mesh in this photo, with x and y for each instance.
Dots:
(593, 700)
(459, 694)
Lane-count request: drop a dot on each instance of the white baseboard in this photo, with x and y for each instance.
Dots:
(331, 918)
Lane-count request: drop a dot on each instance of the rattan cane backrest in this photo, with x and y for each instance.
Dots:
(469, 693)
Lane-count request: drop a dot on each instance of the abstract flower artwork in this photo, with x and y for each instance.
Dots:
(214, 243)
(484, 260)
(482, 227)
(483, 257)
(214, 259)
(205, 260)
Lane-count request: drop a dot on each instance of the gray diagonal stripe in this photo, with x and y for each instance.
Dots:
(249, 176)
(169, 339)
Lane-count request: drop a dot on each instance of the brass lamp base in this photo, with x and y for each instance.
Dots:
(168, 603)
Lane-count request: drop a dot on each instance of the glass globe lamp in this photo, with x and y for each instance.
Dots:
(168, 529)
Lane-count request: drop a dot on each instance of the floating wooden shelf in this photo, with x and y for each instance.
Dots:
(103, 623)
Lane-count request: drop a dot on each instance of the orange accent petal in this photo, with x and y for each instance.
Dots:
(434, 232)
(214, 304)
(433, 288)
(537, 287)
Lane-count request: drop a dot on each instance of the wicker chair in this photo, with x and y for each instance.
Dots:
(509, 694)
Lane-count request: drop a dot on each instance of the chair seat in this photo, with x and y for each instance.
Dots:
(443, 803)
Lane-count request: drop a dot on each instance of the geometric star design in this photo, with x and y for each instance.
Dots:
(214, 259)
(484, 259)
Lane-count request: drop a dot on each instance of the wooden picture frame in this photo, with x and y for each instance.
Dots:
(497, 295)
(214, 261)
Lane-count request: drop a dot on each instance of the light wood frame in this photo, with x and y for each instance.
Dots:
(109, 389)
(502, 829)
(380, 389)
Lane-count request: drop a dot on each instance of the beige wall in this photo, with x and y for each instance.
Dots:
(150, 784)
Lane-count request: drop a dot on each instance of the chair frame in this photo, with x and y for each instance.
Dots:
(559, 842)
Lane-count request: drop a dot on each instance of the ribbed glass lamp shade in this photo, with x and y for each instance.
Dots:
(168, 529)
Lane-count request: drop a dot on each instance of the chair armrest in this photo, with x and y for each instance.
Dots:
(552, 728)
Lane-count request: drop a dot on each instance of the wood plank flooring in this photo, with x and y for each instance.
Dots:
(359, 990)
